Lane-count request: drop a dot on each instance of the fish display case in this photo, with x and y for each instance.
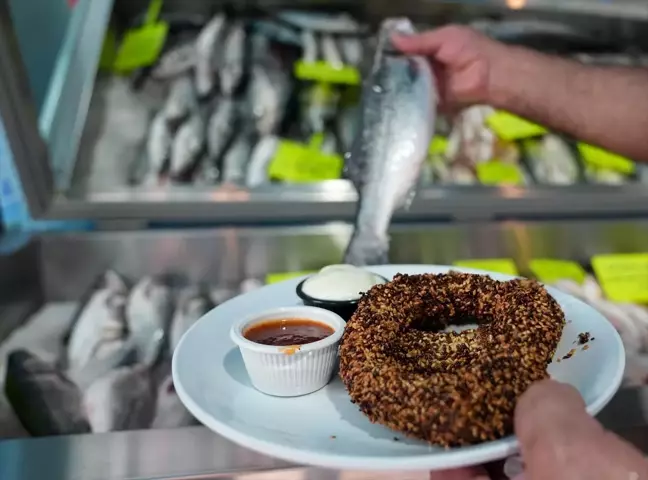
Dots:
(159, 439)
(88, 150)
(242, 119)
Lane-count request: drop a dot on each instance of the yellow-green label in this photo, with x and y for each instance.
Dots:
(142, 46)
(325, 72)
(623, 277)
(511, 127)
(548, 270)
(499, 173)
(438, 145)
(295, 162)
(599, 158)
(500, 265)
(280, 277)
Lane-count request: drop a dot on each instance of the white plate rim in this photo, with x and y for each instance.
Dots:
(449, 459)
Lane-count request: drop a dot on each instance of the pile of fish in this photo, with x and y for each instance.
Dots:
(546, 160)
(231, 95)
(230, 90)
(114, 370)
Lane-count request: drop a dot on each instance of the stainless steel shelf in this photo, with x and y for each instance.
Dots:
(336, 201)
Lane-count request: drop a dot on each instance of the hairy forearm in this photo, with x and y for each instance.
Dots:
(604, 106)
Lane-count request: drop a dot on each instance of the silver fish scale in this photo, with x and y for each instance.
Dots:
(396, 134)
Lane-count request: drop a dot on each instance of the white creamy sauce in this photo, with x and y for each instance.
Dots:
(340, 283)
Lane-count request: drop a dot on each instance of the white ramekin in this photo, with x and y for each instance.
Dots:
(286, 372)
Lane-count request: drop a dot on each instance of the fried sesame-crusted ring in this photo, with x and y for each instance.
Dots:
(448, 388)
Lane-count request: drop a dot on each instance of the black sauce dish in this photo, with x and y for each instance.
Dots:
(344, 308)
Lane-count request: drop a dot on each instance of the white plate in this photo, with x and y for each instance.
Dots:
(325, 428)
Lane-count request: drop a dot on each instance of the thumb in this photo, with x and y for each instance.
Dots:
(427, 43)
(560, 440)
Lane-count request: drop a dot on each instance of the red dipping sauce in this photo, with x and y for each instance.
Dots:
(288, 331)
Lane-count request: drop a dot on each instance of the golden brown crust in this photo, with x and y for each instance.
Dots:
(450, 388)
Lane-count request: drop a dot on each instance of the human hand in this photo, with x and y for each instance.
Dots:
(463, 61)
(560, 440)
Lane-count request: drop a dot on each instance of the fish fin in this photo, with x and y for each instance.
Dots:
(366, 248)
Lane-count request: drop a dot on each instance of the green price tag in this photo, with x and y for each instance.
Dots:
(142, 46)
(325, 72)
(511, 127)
(623, 277)
(280, 277)
(438, 145)
(499, 173)
(500, 265)
(599, 158)
(548, 270)
(295, 162)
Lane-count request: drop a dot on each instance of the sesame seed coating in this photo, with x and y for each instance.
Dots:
(448, 388)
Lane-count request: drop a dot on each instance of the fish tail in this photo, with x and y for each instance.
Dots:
(367, 248)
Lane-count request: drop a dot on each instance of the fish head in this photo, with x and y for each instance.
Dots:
(22, 363)
(114, 282)
(153, 292)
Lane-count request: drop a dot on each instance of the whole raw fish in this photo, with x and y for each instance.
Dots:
(262, 155)
(149, 311)
(158, 148)
(188, 147)
(170, 412)
(552, 161)
(193, 304)
(268, 93)
(123, 399)
(207, 54)
(309, 47)
(220, 132)
(321, 106)
(181, 100)
(330, 52)
(176, 61)
(45, 401)
(351, 50)
(397, 117)
(231, 71)
(237, 158)
(100, 327)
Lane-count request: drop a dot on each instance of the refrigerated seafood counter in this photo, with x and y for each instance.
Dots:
(157, 438)
(249, 146)
(238, 137)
